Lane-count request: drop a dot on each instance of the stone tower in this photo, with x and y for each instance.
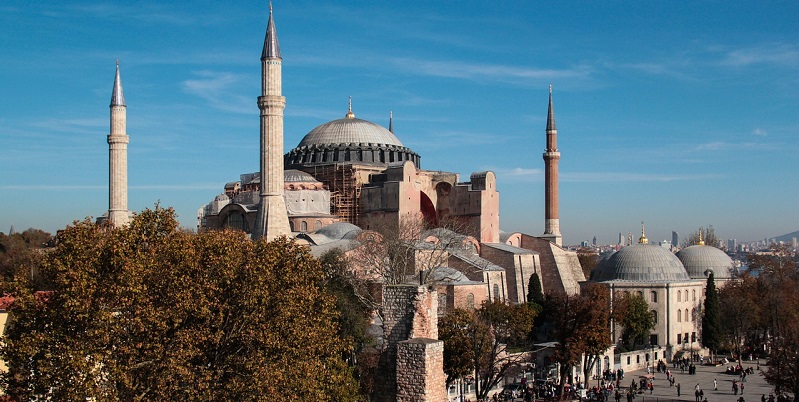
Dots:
(551, 158)
(118, 157)
(272, 220)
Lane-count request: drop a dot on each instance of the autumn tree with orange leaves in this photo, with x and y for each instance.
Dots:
(151, 312)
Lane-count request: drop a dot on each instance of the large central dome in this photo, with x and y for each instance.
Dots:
(349, 140)
(641, 263)
(349, 131)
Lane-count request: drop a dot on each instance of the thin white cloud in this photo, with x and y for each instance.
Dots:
(769, 53)
(217, 88)
(759, 132)
(482, 72)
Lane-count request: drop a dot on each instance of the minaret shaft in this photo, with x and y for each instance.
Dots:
(118, 157)
(272, 219)
(551, 159)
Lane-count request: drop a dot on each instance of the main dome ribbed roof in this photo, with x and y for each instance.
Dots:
(641, 263)
(349, 131)
(699, 261)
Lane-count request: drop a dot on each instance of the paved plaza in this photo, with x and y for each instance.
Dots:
(754, 387)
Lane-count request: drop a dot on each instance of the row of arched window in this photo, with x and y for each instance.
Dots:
(681, 316)
(683, 296)
(304, 226)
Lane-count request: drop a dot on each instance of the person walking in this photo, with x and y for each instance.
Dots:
(715, 385)
(678, 389)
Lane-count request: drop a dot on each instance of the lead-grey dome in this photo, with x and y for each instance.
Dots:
(349, 140)
(700, 261)
(349, 131)
(641, 263)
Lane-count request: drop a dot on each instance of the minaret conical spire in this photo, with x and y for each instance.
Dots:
(391, 121)
(551, 112)
(117, 96)
(271, 45)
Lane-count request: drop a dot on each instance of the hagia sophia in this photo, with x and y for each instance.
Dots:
(349, 179)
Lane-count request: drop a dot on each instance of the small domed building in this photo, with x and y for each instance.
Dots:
(674, 296)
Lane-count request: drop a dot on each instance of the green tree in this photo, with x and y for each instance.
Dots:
(150, 312)
(354, 311)
(477, 341)
(711, 317)
(580, 327)
(535, 293)
(637, 321)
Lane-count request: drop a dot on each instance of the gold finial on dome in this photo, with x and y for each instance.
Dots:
(643, 239)
(350, 115)
(700, 242)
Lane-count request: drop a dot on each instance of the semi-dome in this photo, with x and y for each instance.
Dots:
(349, 140)
(298, 176)
(641, 263)
(339, 230)
(700, 261)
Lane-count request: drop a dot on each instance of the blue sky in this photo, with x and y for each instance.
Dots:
(676, 113)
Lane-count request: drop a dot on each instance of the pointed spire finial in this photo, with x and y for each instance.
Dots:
(701, 242)
(117, 96)
(349, 114)
(391, 121)
(271, 46)
(643, 239)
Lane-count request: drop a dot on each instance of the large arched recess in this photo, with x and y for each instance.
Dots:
(428, 209)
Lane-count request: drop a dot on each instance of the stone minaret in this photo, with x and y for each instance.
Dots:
(118, 157)
(272, 220)
(551, 157)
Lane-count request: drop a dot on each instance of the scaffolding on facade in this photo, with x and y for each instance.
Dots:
(345, 190)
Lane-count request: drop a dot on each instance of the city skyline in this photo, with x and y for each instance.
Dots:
(680, 115)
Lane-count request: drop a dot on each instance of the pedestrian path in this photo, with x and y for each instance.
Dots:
(754, 387)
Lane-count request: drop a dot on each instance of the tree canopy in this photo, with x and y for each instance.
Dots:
(150, 312)
(580, 326)
(711, 319)
(477, 341)
(637, 320)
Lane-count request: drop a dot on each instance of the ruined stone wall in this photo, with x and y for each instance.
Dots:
(420, 371)
(410, 318)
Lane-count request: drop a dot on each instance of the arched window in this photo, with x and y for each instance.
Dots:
(303, 226)
(679, 315)
(687, 317)
(496, 292)
(641, 294)
(654, 296)
(470, 301)
(693, 292)
(678, 295)
(654, 317)
(317, 225)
